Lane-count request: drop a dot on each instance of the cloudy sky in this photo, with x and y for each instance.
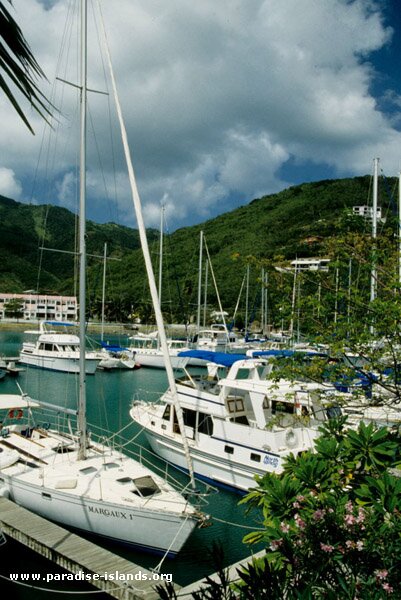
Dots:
(224, 101)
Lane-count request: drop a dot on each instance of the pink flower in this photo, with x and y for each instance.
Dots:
(299, 522)
(349, 519)
(275, 544)
(296, 505)
(381, 574)
(359, 545)
(361, 515)
(349, 507)
(319, 514)
(284, 527)
(349, 544)
(326, 547)
(387, 588)
(300, 498)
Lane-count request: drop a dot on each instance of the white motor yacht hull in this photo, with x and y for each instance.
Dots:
(58, 363)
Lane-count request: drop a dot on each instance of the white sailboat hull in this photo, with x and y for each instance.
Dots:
(156, 360)
(135, 527)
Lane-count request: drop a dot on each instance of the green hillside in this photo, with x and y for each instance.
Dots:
(26, 229)
(294, 222)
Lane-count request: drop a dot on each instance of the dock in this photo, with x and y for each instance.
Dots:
(76, 554)
(186, 592)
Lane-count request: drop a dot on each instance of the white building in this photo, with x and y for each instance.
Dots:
(367, 212)
(310, 264)
(38, 307)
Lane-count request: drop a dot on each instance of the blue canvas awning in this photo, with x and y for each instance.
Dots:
(219, 358)
(113, 348)
(63, 323)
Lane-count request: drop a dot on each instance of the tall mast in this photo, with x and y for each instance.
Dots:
(246, 302)
(82, 243)
(161, 253)
(205, 292)
(103, 289)
(399, 228)
(199, 282)
(373, 274)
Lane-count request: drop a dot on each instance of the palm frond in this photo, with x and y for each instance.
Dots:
(20, 66)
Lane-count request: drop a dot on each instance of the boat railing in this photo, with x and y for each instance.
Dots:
(66, 424)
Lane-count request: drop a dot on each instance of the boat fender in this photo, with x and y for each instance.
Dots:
(291, 438)
(4, 492)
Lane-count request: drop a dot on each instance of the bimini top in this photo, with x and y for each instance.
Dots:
(219, 358)
(112, 348)
(9, 401)
(62, 323)
(283, 353)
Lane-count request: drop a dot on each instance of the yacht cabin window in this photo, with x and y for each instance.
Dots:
(205, 424)
(282, 407)
(167, 413)
(235, 405)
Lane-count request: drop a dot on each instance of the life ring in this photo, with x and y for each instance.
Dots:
(291, 438)
(15, 413)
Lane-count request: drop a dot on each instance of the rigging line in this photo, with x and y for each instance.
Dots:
(215, 286)
(237, 524)
(112, 145)
(180, 299)
(159, 565)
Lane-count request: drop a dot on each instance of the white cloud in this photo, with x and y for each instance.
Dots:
(9, 185)
(67, 190)
(216, 97)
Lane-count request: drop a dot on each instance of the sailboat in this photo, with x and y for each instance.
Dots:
(146, 347)
(68, 477)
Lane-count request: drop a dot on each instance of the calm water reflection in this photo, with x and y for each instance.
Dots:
(109, 396)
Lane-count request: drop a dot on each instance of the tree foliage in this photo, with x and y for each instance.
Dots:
(332, 519)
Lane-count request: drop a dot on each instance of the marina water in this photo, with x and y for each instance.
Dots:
(109, 397)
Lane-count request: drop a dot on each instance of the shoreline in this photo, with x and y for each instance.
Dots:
(92, 327)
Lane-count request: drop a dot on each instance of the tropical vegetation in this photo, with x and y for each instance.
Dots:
(298, 222)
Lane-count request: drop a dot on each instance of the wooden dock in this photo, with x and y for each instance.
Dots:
(186, 592)
(76, 554)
